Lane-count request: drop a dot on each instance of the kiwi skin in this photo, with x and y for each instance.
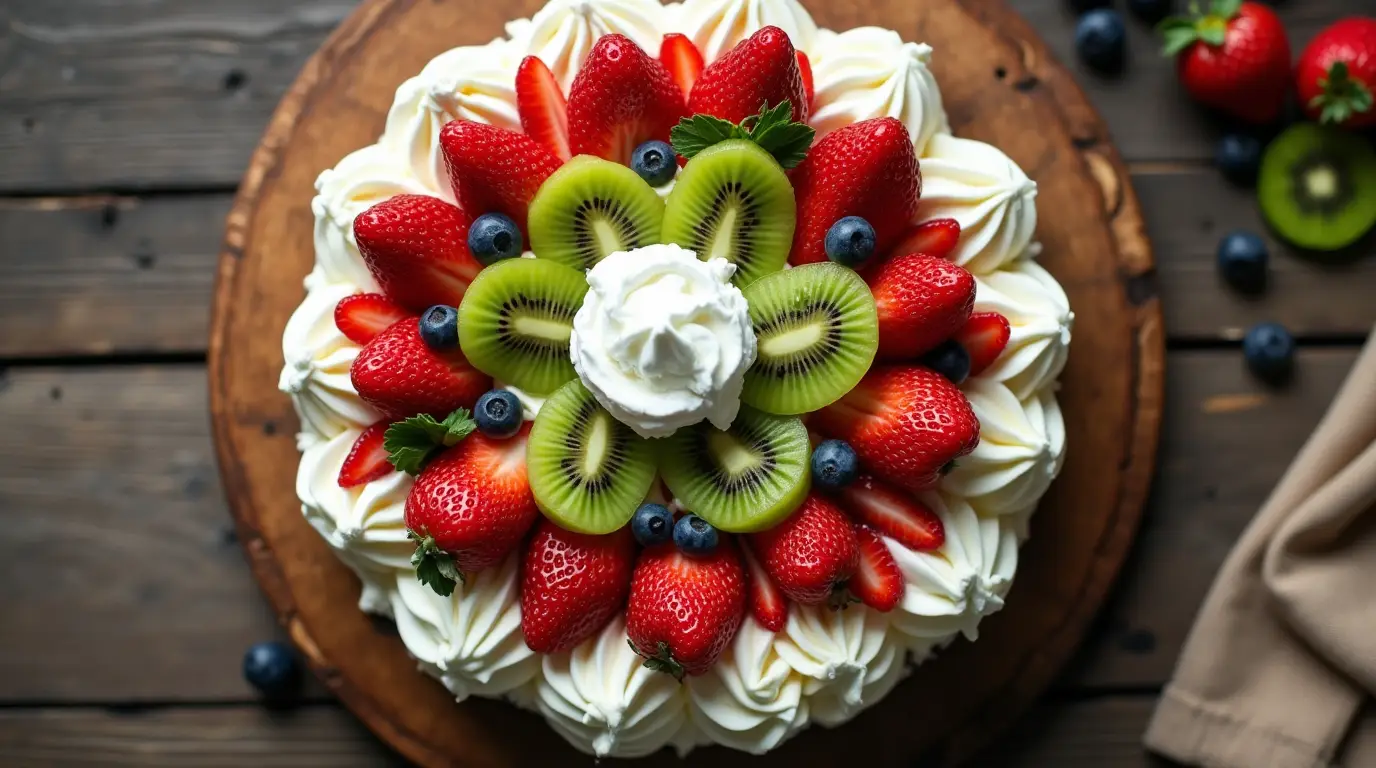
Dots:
(612, 207)
(737, 184)
(1294, 162)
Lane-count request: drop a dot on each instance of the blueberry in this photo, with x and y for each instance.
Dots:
(1101, 40)
(1150, 10)
(1239, 158)
(493, 237)
(950, 359)
(1270, 352)
(1080, 6)
(656, 163)
(850, 241)
(439, 327)
(834, 464)
(694, 536)
(272, 668)
(1242, 261)
(498, 414)
(652, 524)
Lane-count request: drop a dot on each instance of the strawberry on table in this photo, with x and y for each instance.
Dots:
(760, 71)
(621, 99)
(416, 246)
(810, 554)
(572, 584)
(367, 459)
(907, 424)
(893, 512)
(921, 301)
(541, 104)
(1336, 75)
(985, 335)
(493, 170)
(362, 316)
(878, 581)
(767, 604)
(937, 237)
(1235, 58)
(866, 169)
(683, 60)
(400, 375)
(684, 609)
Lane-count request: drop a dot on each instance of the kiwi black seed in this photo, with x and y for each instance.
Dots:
(590, 208)
(1317, 187)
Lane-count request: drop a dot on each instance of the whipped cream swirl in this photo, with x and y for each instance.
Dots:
(318, 358)
(361, 180)
(1039, 315)
(715, 26)
(980, 187)
(564, 31)
(1021, 448)
(752, 698)
(663, 340)
(848, 659)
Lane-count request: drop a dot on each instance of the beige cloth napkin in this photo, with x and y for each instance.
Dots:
(1283, 653)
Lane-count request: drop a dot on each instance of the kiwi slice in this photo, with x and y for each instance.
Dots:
(588, 472)
(1317, 187)
(816, 331)
(747, 478)
(516, 319)
(590, 208)
(734, 201)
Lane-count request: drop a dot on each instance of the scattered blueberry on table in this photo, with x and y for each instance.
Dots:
(1242, 261)
(850, 241)
(493, 237)
(1238, 157)
(439, 327)
(950, 359)
(1269, 350)
(498, 414)
(272, 668)
(1101, 40)
(652, 524)
(695, 536)
(834, 464)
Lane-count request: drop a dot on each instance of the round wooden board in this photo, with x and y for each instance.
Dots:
(1000, 85)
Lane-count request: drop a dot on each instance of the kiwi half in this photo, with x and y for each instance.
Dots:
(747, 478)
(1317, 187)
(734, 201)
(588, 472)
(816, 330)
(516, 320)
(590, 208)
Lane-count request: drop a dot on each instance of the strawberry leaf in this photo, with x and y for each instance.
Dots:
(411, 443)
(696, 133)
(661, 661)
(1224, 9)
(435, 568)
(1342, 96)
(1177, 34)
(771, 128)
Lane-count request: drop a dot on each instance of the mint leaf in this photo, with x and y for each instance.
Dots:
(435, 568)
(696, 133)
(772, 128)
(412, 442)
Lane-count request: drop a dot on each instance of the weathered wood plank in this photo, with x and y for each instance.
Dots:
(1093, 734)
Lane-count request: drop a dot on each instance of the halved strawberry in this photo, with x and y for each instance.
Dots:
(766, 603)
(761, 70)
(921, 301)
(878, 581)
(416, 246)
(984, 336)
(805, 70)
(362, 316)
(494, 170)
(367, 460)
(621, 99)
(893, 512)
(543, 109)
(683, 60)
(937, 238)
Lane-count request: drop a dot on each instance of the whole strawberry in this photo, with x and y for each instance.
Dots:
(1234, 58)
(866, 169)
(810, 554)
(416, 246)
(398, 374)
(1336, 75)
(621, 99)
(572, 584)
(761, 70)
(907, 424)
(922, 301)
(493, 170)
(683, 609)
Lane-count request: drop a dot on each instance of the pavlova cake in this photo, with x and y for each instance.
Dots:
(674, 373)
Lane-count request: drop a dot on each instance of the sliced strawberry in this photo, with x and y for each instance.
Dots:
(921, 301)
(621, 99)
(362, 316)
(893, 512)
(984, 336)
(367, 460)
(878, 581)
(494, 170)
(416, 246)
(544, 112)
(683, 60)
(400, 375)
(805, 71)
(761, 70)
(767, 604)
(937, 238)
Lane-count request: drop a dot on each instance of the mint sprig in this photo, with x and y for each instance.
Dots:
(1207, 26)
(411, 443)
(435, 568)
(772, 128)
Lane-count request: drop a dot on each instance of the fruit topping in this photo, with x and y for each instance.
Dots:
(760, 70)
(877, 581)
(810, 554)
(1336, 74)
(362, 316)
(411, 443)
(621, 99)
(937, 237)
(493, 170)
(572, 584)
(1238, 157)
(272, 668)
(400, 375)
(1242, 258)
(684, 610)
(498, 414)
(653, 524)
(805, 72)
(695, 536)
(591, 208)
(906, 423)
(921, 301)
(655, 162)
(747, 478)
(815, 330)
(1269, 350)
(543, 109)
(834, 465)
(766, 603)
(515, 322)
(984, 337)
(416, 247)
(683, 60)
(894, 513)
(949, 359)
(439, 327)
(367, 459)
(1317, 187)
(1101, 40)
(588, 471)
(493, 237)
(850, 242)
(1234, 57)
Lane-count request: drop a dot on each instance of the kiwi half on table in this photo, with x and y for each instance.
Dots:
(590, 208)
(516, 320)
(588, 471)
(816, 330)
(747, 478)
(1317, 187)
(734, 201)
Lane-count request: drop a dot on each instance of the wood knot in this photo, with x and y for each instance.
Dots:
(1106, 176)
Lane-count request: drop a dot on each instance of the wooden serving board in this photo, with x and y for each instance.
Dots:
(1001, 86)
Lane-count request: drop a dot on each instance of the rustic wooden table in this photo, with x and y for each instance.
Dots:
(125, 603)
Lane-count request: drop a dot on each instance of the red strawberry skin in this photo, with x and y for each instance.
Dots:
(921, 301)
(878, 580)
(905, 422)
(494, 170)
(1249, 75)
(985, 335)
(683, 60)
(621, 99)
(866, 169)
(367, 459)
(400, 376)
(1351, 41)
(416, 246)
(762, 69)
(811, 553)
(693, 606)
(572, 584)
(474, 500)
(767, 604)
(937, 237)
(362, 316)
(541, 104)
(893, 512)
